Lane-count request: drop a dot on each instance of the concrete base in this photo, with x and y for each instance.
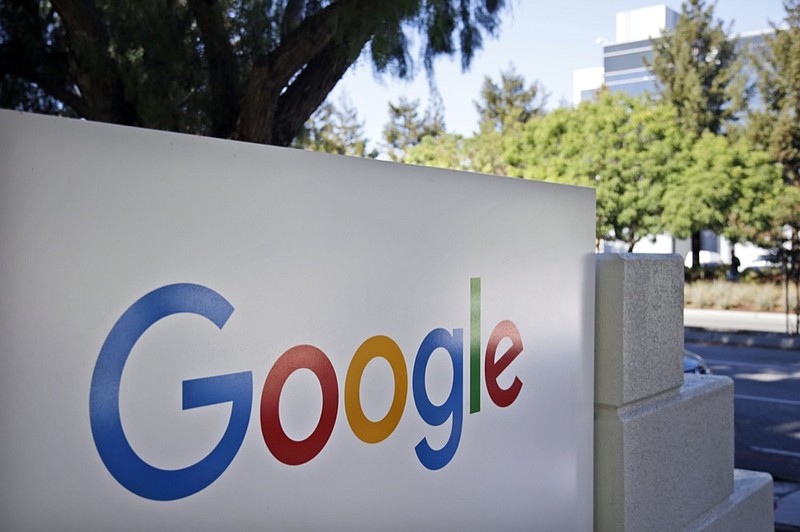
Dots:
(748, 509)
(638, 327)
(663, 441)
(664, 460)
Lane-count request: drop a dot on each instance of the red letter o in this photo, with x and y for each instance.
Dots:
(285, 449)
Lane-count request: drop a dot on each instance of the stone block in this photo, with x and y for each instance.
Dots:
(664, 461)
(748, 509)
(638, 326)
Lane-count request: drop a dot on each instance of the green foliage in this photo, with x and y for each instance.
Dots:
(627, 148)
(657, 164)
(406, 128)
(252, 70)
(776, 125)
(335, 129)
(508, 104)
(699, 71)
(160, 69)
(444, 151)
(649, 174)
(504, 108)
(776, 128)
(726, 186)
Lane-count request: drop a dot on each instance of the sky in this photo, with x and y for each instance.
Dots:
(543, 40)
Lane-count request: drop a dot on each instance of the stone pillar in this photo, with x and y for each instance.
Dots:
(663, 442)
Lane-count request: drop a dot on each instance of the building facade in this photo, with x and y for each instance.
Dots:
(625, 61)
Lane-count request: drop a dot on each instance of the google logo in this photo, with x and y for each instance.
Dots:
(237, 388)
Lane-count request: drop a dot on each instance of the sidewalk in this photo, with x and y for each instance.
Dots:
(751, 329)
(731, 327)
(737, 320)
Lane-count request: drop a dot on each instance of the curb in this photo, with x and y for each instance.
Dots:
(742, 338)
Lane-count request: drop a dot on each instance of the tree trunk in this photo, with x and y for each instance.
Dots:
(786, 294)
(286, 86)
(223, 71)
(96, 73)
(696, 251)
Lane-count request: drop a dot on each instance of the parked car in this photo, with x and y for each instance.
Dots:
(694, 363)
(708, 259)
(767, 261)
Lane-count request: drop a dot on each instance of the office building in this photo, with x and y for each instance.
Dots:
(625, 61)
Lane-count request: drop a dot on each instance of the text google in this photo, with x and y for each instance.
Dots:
(161, 484)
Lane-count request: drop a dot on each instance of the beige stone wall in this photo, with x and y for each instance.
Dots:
(663, 443)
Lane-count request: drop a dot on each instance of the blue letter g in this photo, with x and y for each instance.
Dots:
(115, 451)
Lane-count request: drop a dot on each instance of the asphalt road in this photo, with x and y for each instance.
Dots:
(767, 405)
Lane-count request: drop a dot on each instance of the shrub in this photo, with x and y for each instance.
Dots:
(745, 295)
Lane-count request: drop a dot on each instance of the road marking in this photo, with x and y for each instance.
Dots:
(767, 399)
(750, 364)
(775, 451)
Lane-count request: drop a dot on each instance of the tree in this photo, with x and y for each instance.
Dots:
(252, 70)
(775, 126)
(625, 147)
(649, 175)
(335, 129)
(699, 73)
(447, 150)
(510, 103)
(727, 186)
(406, 128)
(503, 108)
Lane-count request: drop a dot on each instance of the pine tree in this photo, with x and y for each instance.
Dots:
(406, 128)
(699, 70)
(335, 129)
(503, 108)
(700, 73)
(509, 103)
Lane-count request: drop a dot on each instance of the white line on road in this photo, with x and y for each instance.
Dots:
(750, 364)
(767, 399)
(776, 451)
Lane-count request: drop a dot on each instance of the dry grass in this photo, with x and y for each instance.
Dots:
(760, 297)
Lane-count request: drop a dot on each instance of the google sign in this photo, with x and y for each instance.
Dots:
(159, 484)
(203, 335)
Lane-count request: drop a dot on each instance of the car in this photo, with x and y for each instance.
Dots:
(708, 259)
(766, 261)
(695, 364)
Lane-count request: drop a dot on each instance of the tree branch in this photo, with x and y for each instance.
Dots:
(272, 73)
(309, 90)
(321, 74)
(309, 39)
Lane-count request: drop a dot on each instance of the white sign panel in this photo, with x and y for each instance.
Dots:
(199, 334)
